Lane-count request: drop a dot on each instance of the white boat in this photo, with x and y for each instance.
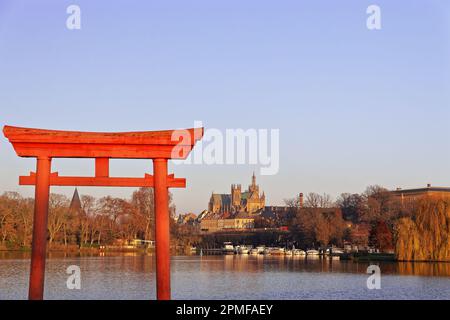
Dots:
(267, 251)
(260, 249)
(242, 250)
(254, 251)
(312, 252)
(298, 252)
(277, 251)
(228, 248)
(289, 252)
(334, 251)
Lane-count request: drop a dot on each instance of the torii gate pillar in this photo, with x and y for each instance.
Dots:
(160, 146)
(162, 230)
(39, 245)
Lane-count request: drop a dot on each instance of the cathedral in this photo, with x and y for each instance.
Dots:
(249, 201)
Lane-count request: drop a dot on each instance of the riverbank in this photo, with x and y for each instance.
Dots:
(368, 257)
(68, 250)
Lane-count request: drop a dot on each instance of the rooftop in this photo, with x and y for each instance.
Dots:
(428, 188)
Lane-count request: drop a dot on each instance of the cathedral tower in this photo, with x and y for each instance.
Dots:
(254, 187)
(236, 195)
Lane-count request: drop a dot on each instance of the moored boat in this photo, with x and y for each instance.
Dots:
(260, 249)
(277, 251)
(312, 252)
(243, 250)
(334, 251)
(299, 252)
(228, 248)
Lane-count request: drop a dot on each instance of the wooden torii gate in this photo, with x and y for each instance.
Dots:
(156, 145)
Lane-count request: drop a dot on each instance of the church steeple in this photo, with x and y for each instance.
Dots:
(75, 204)
(253, 187)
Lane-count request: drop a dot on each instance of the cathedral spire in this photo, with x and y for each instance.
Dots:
(75, 204)
(253, 179)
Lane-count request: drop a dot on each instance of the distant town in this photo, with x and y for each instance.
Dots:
(388, 224)
(375, 221)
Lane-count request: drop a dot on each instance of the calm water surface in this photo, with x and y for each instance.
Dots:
(132, 276)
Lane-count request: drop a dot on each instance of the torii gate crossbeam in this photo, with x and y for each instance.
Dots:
(160, 146)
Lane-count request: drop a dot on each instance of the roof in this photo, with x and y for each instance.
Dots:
(273, 212)
(30, 142)
(422, 190)
(75, 204)
(222, 198)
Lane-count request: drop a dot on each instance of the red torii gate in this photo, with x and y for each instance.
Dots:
(156, 145)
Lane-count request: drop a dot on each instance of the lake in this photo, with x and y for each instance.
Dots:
(132, 276)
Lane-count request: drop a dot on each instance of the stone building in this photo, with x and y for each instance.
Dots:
(249, 201)
(240, 222)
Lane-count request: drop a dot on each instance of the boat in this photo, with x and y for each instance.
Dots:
(267, 251)
(277, 251)
(312, 252)
(289, 252)
(334, 251)
(228, 248)
(254, 251)
(298, 252)
(242, 250)
(260, 249)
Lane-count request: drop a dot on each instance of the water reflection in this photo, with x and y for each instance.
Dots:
(63, 254)
(250, 263)
(132, 276)
(261, 263)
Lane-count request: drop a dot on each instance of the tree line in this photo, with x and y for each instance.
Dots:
(92, 222)
(416, 229)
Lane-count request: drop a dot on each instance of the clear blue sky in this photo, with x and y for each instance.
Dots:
(354, 107)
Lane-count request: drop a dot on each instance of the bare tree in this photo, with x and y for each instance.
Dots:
(143, 201)
(58, 212)
(315, 200)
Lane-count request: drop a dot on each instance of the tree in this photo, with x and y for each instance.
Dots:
(380, 205)
(315, 200)
(8, 213)
(85, 219)
(318, 226)
(58, 212)
(425, 236)
(143, 201)
(381, 235)
(352, 206)
(16, 218)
